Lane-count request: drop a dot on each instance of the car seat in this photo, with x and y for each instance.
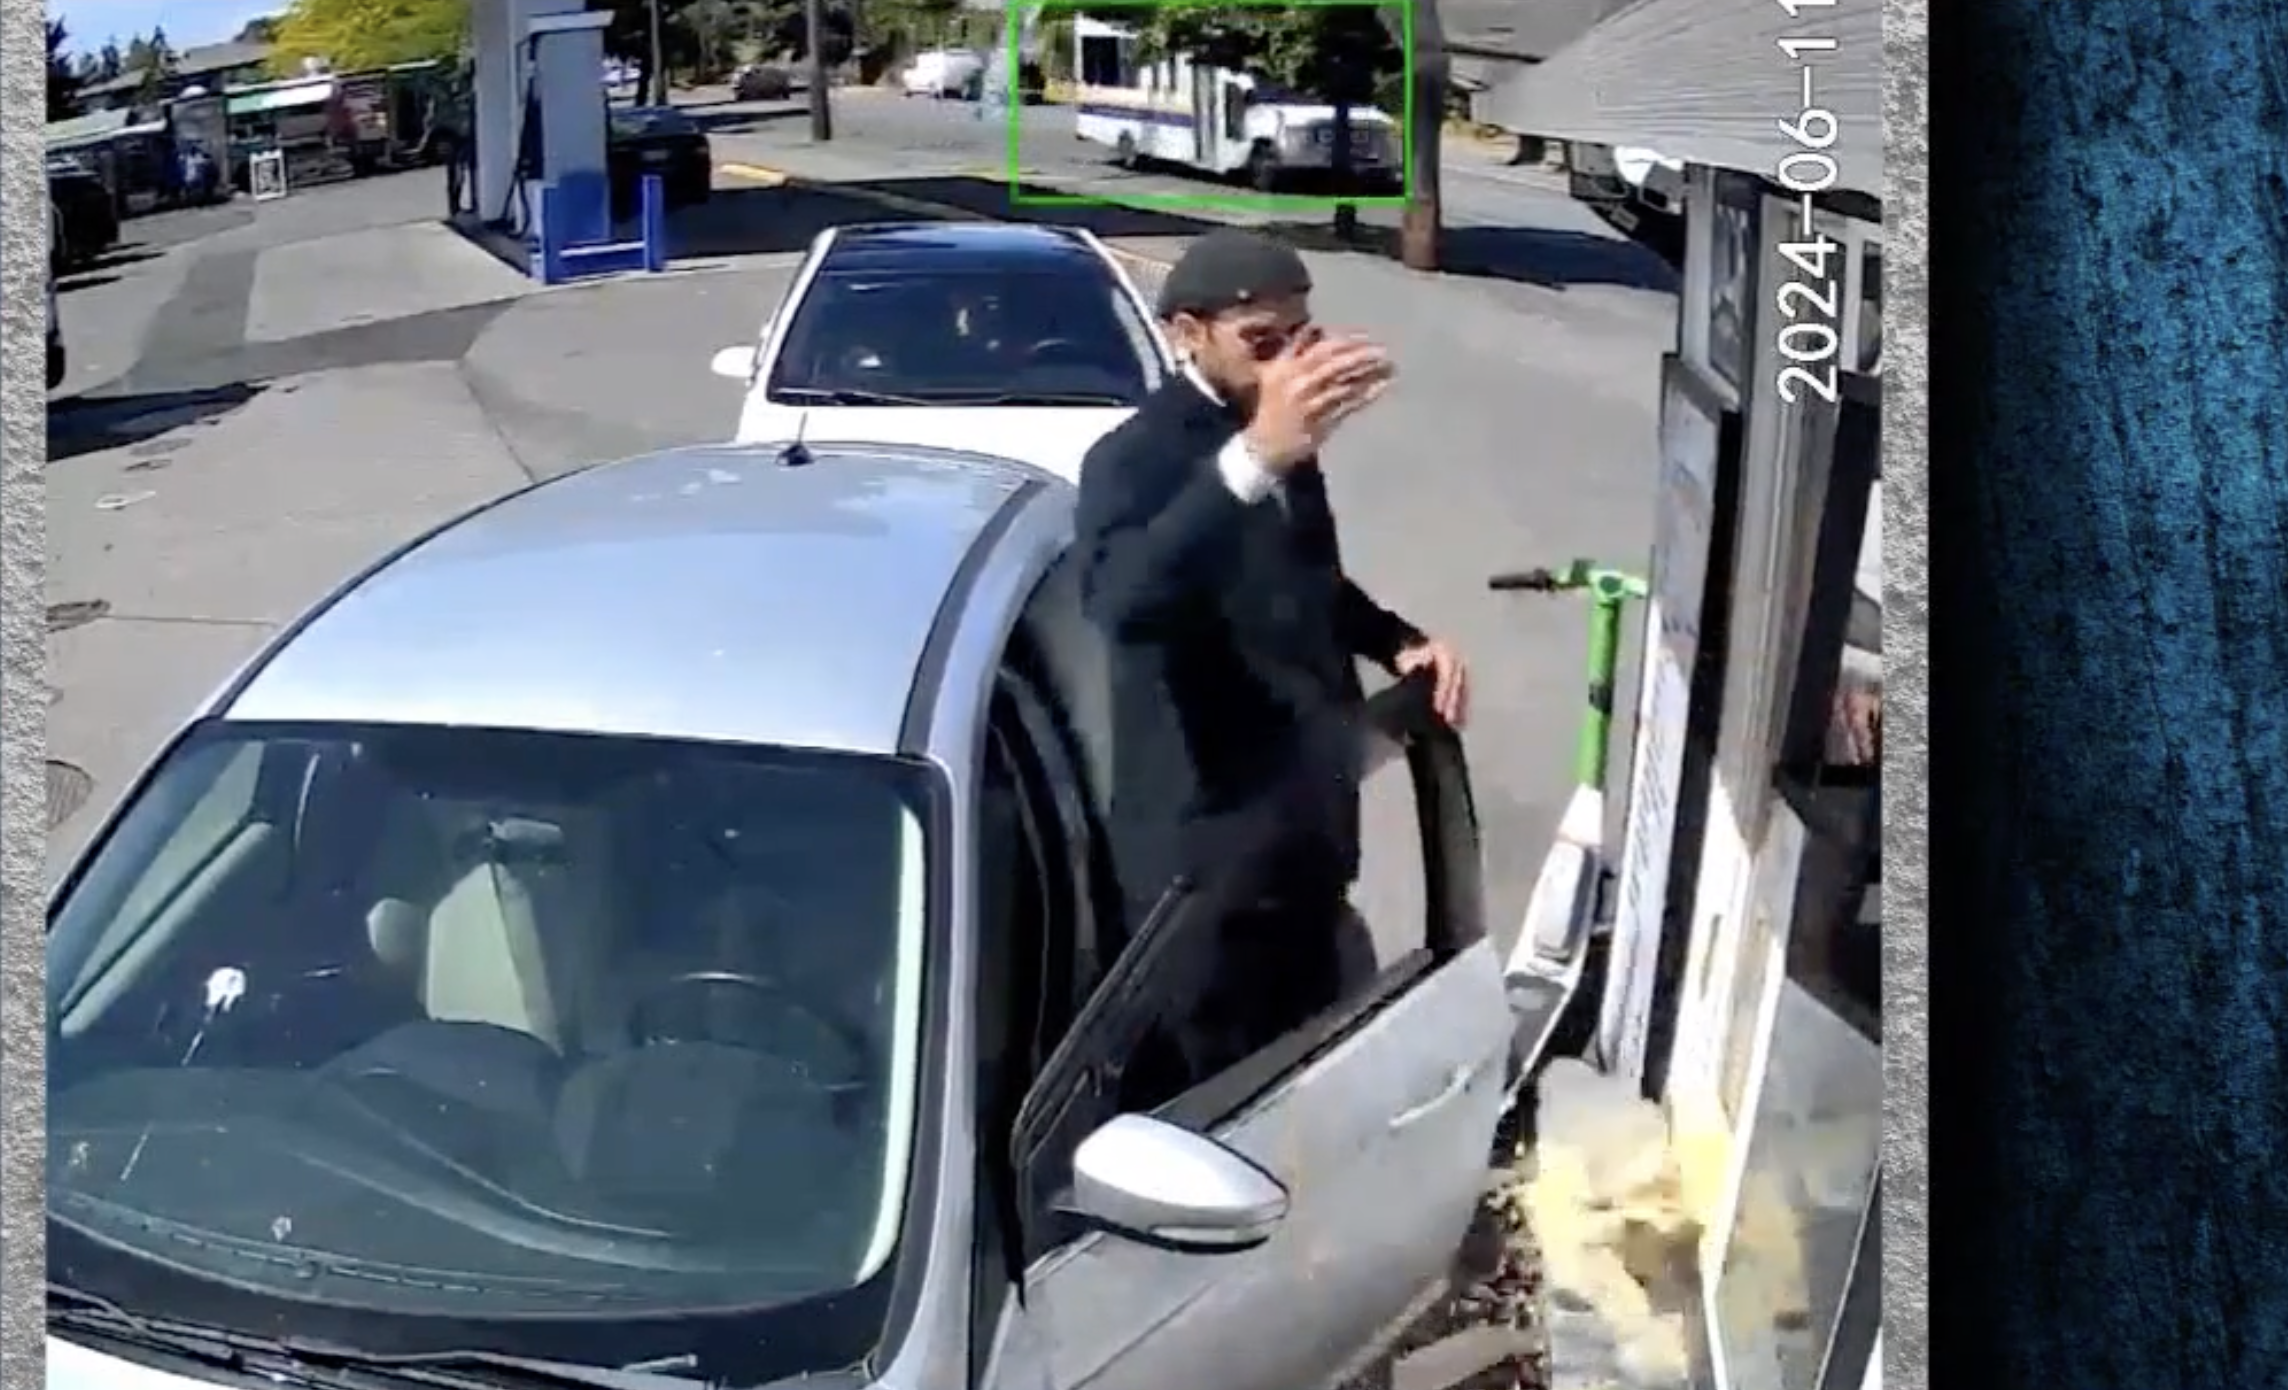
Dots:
(511, 940)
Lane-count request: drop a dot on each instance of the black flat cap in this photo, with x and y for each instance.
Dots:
(1229, 267)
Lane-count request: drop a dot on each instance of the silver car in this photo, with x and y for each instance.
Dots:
(652, 931)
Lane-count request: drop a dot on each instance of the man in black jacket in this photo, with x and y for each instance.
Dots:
(1210, 561)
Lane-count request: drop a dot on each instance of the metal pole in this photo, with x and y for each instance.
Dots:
(821, 119)
(658, 94)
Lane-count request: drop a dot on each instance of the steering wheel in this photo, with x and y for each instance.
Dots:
(703, 992)
(1071, 350)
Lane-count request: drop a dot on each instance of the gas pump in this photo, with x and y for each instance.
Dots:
(562, 136)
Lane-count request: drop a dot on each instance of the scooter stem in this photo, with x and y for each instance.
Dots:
(1609, 592)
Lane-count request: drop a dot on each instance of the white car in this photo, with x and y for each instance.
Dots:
(1024, 341)
(941, 72)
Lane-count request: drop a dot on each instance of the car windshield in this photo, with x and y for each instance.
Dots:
(424, 1023)
(1054, 333)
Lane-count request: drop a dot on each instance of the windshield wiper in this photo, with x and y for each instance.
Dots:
(1035, 398)
(474, 1367)
(77, 1311)
(304, 1360)
(841, 395)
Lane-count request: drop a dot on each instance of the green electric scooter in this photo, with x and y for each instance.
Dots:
(1546, 965)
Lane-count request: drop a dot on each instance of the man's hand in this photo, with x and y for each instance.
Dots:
(1450, 678)
(1855, 724)
(1308, 390)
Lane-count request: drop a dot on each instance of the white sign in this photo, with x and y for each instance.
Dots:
(266, 175)
(1689, 438)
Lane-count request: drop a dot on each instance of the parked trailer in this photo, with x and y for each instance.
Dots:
(1171, 110)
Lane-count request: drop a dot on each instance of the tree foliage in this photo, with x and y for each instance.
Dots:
(357, 35)
(261, 29)
(153, 60)
(64, 76)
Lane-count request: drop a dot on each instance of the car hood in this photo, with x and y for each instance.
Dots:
(74, 1367)
(1052, 438)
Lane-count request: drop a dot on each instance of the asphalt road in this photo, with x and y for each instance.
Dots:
(949, 136)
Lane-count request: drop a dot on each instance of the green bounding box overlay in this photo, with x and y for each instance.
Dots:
(1266, 203)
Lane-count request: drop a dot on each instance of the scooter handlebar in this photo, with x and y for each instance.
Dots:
(1539, 581)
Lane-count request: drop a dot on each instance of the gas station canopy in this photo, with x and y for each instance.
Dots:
(1706, 82)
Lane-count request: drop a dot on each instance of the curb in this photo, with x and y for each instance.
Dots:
(755, 173)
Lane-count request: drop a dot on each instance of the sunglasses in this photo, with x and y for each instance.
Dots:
(1264, 342)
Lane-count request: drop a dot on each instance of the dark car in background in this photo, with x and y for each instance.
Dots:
(761, 82)
(657, 140)
(87, 220)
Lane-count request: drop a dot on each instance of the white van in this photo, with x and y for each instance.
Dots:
(941, 72)
(1174, 111)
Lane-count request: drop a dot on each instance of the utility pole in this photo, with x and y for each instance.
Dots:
(821, 117)
(657, 96)
(1420, 229)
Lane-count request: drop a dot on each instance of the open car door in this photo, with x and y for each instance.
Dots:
(1375, 1119)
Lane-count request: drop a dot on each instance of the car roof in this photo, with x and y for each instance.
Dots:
(659, 118)
(956, 247)
(712, 593)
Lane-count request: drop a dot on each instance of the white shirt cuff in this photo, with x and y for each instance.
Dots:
(1243, 473)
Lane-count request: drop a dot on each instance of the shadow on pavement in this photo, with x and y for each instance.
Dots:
(736, 118)
(119, 257)
(135, 421)
(750, 220)
(989, 197)
(1546, 258)
(72, 283)
(746, 220)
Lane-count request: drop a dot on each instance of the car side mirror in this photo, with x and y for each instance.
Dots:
(1162, 1185)
(734, 363)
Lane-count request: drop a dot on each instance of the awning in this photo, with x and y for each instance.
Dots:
(91, 129)
(248, 103)
(1706, 82)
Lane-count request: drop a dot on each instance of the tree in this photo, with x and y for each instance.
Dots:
(152, 62)
(713, 25)
(1343, 54)
(108, 64)
(64, 74)
(628, 37)
(262, 29)
(359, 35)
(907, 26)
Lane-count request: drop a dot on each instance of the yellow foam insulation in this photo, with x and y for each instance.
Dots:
(1618, 1199)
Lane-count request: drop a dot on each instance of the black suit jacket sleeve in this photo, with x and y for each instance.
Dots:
(1367, 629)
(1147, 521)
